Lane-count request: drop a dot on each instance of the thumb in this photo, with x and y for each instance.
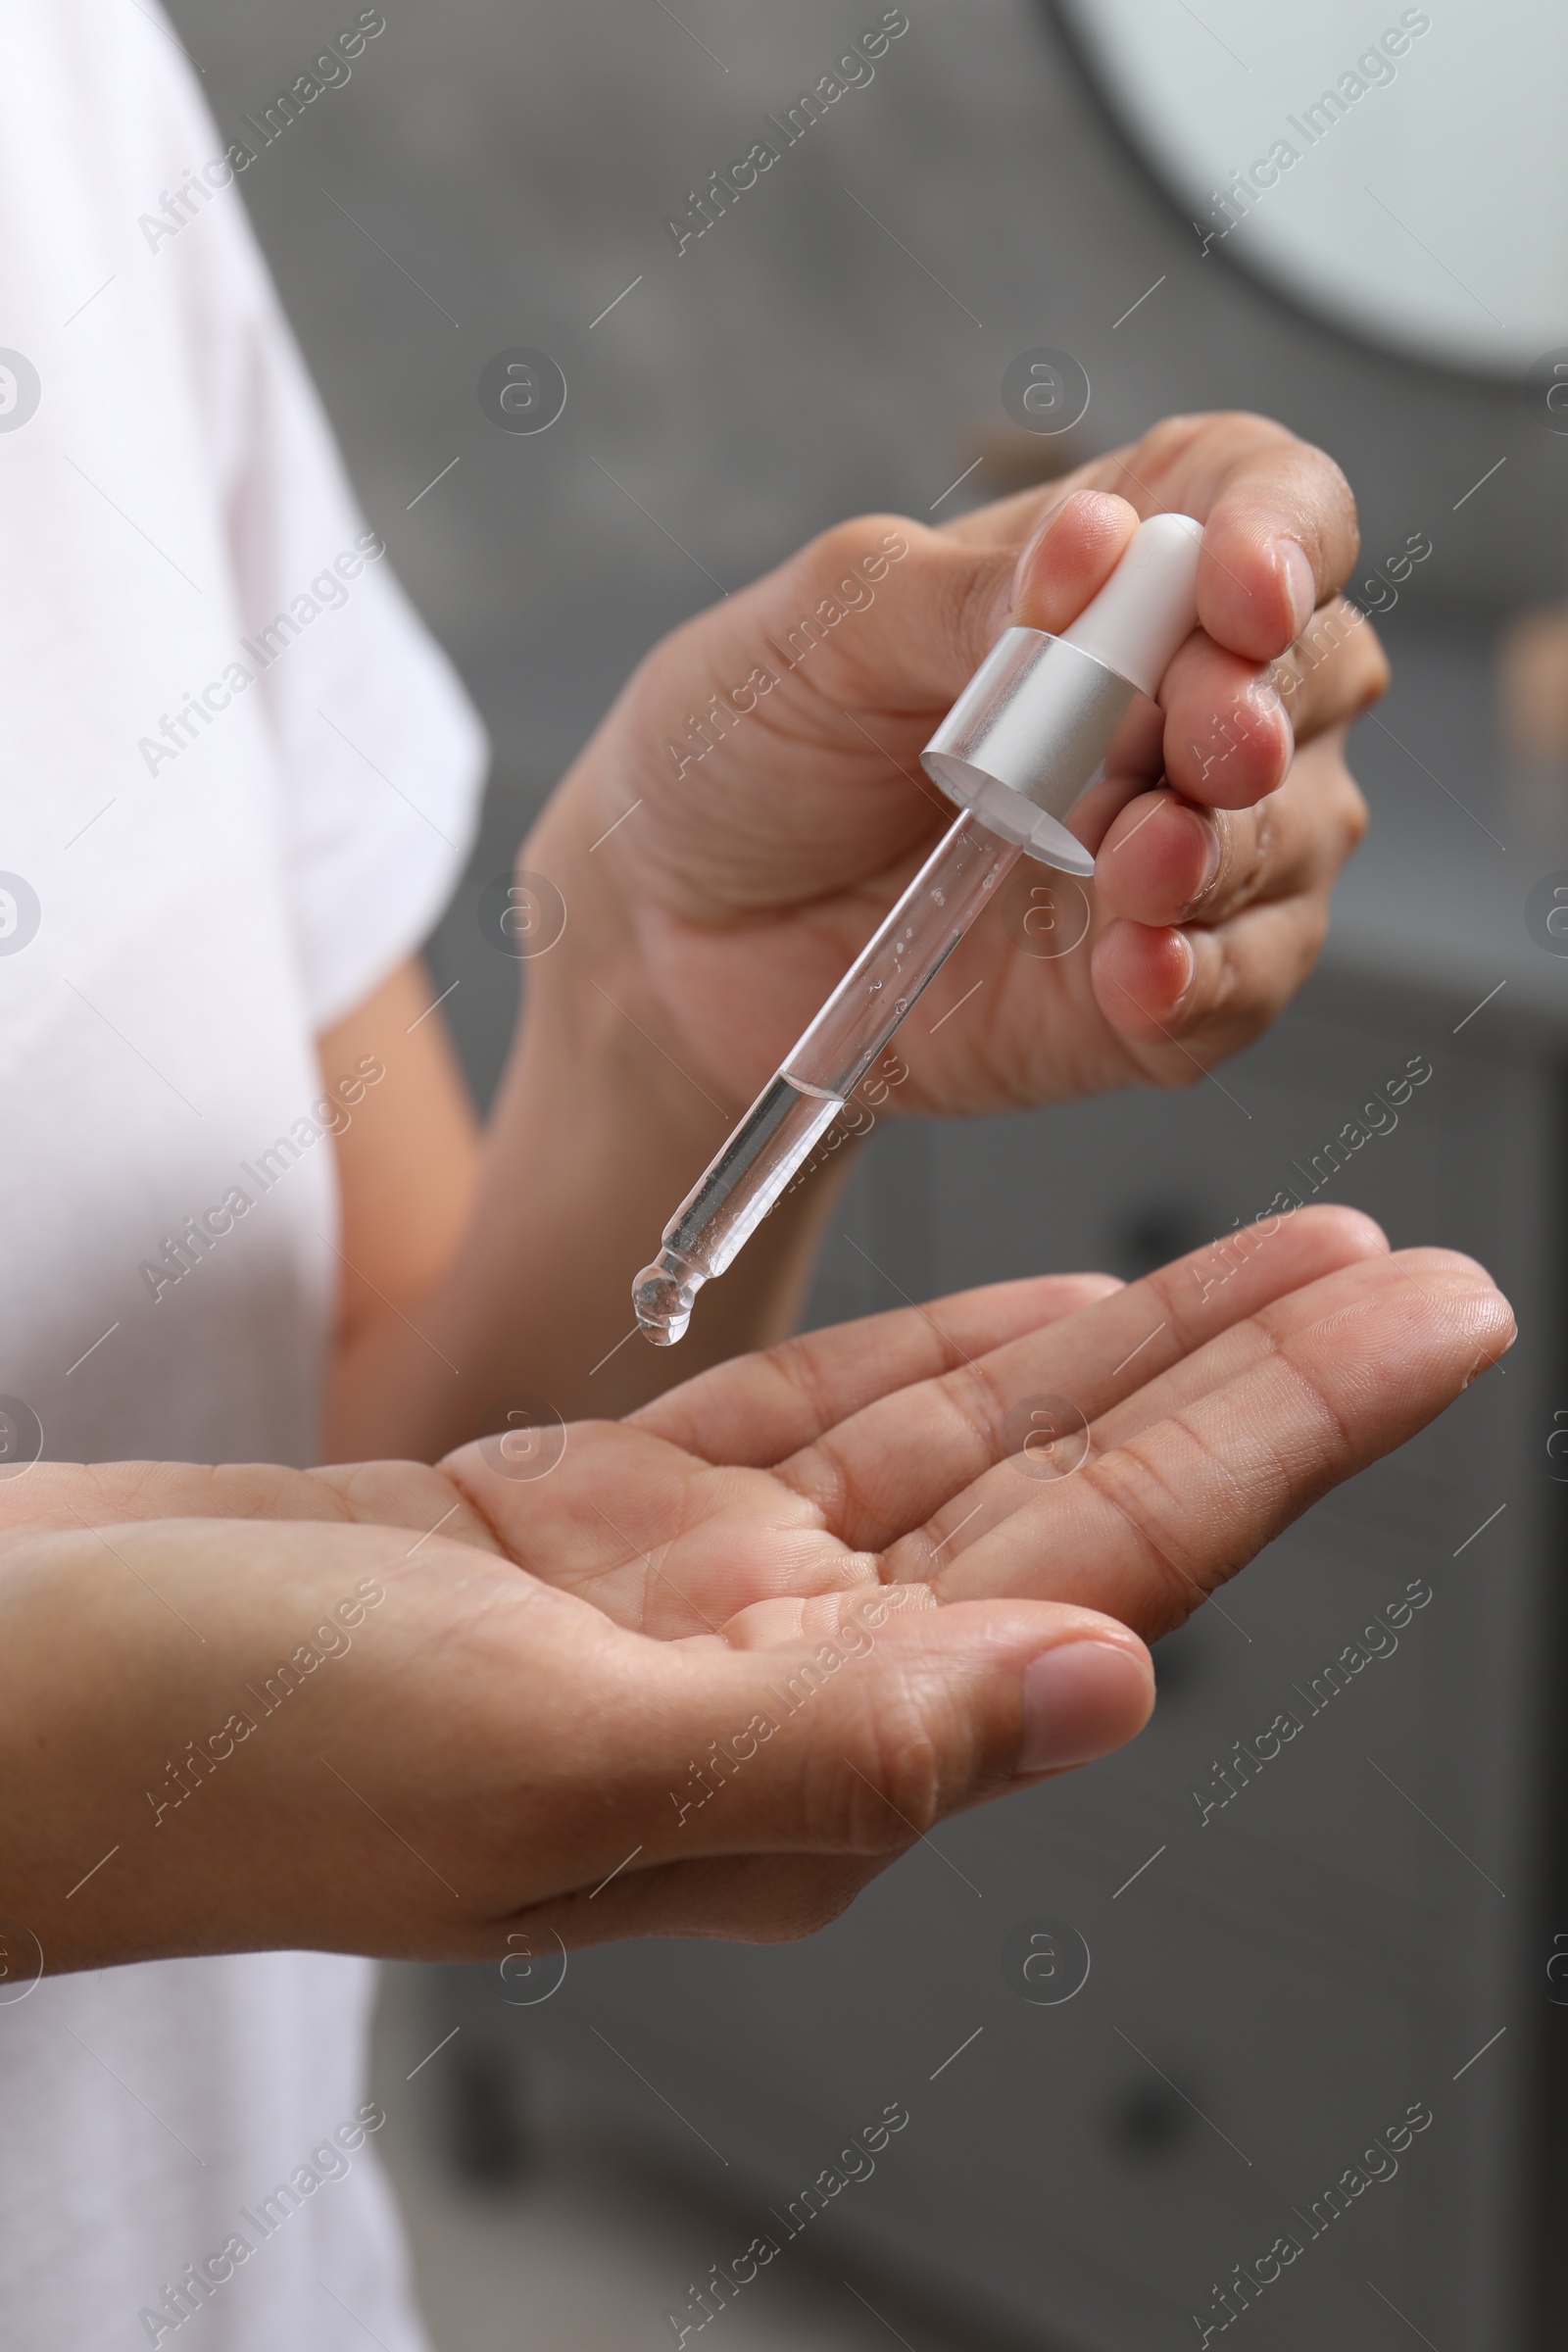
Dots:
(1070, 557)
(845, 1745)
(927, 607)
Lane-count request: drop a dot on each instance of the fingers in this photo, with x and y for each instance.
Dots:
(887, 617)
(953, 599)
(911, 1457)
(1166, 862)
(1228, 739)
(1281, 534)
(1350, 1369)
(1280, 537)
(1072, 554)
(1251, 889)
(895, 617)
(1011, 522)
(1190, 999)
(766, 1407)
(1162, 858)
(1279, 527)
(1441, 1276)
(950, 600)
(1230, 727)
(669, 1523)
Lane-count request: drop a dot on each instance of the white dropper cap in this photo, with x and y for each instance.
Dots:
(1148, 607)
(1026, 741)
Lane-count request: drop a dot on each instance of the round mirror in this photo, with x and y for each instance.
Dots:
(1403, 172)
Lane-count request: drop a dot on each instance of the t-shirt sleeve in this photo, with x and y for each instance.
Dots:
(381, 757)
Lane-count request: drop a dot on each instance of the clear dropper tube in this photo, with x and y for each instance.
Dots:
(819, 1073)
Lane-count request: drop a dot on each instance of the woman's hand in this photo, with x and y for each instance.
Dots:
(762, 778)
(733, 834)
(704, 1672)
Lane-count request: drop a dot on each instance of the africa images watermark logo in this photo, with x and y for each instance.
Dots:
(20, 390)
(329, 591)
(183, 1252)
(197, 2283)
(855, 2165)
(1373, 69)
(706, 205)
(178, 206)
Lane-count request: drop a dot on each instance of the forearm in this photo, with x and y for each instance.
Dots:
(218, 1689)
(160, 1751)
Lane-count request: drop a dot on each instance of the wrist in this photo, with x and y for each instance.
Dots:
(118, 1671)
(177, 1696)
(596, 1028)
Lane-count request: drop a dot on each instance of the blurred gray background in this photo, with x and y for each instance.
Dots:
(492, 177)
(513, 168)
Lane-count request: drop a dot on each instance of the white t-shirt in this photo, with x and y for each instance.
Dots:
(236, 782)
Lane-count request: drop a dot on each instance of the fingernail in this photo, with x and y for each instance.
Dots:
(1265, 702)
(1301, 584)
(1020, 571)
(1212, 854)
(1084, 501)
(1080, 1701)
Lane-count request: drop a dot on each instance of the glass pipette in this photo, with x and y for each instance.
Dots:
(1019, 752)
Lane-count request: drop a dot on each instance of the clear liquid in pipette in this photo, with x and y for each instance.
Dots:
(820, 1074)
(777, 1136)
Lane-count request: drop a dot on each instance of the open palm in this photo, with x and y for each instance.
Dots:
(901, 1522)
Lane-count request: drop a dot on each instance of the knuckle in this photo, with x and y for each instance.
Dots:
(804, 1372)
(1334, 670)
(1247, 864)
(1235, 996)
(979, 1402)
(1338, 809)
(1372, 664)
(1251, 856)
(1337, 482)
(1173, 436)
(1314, 930)
(885, 1790)
(1129, 1482)
(838, 553)
(1330, 809)
(1227, 981)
